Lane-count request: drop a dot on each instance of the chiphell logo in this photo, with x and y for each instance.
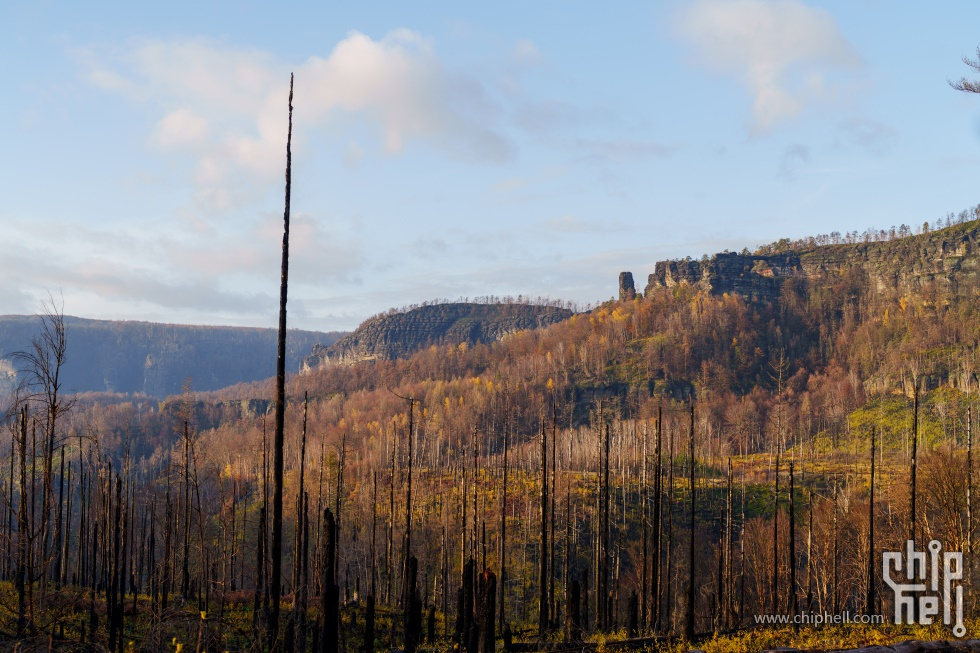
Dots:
(926, 583)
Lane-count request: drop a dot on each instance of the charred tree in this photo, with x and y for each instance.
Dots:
(543, 576)
(485, 612)
(691, 589)
(871, 601)
(330, 592)
(277, 459)
(573, 614)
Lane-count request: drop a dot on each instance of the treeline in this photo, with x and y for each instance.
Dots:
(485, 300)
(869, 235)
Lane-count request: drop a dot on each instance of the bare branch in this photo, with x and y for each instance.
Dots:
(964, 84)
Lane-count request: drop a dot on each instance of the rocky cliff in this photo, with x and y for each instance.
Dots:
(399, 334)
(947, 257)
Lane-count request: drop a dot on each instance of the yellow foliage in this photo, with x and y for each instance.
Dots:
(551, 383)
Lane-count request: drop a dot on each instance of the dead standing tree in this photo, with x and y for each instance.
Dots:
(276, 580)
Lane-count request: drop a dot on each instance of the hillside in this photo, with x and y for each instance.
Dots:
(155, 359)
(396, 335)
(717, 410)
(947, 258)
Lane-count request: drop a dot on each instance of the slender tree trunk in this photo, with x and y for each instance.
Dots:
(114, 613)
(691, 589)
(774, 587)
(871, 602)
(668, 613)
(554, 490)
(277, 464)
(915, 459)
(969, 492)
(486, 611)
(22, 533)
(259, 565)
(185, 574)
(59, 528)
(794, 607)
(657, 525)
(503, 534)
(330, 598)
(543, 600)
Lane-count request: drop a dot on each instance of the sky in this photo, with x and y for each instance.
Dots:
(445, 150)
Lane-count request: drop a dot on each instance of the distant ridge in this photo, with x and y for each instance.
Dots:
(948, 258)
(155, 359)
(396, 335)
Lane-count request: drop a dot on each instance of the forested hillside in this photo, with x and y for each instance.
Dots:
(400, 333)
(155, 359)
(671, 464)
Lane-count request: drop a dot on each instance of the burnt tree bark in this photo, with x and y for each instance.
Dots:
(691, 593)
(543, 576)
(330, 592)
(485, 613)
(277, 459)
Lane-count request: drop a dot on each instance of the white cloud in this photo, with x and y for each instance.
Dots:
(180, 128)
(227, 105)
(783, 51)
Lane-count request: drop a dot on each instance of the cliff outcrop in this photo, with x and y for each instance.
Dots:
(947, 257)
(397, 335)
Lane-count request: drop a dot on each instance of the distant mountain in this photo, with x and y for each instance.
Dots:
(396, 335)
(155, 359)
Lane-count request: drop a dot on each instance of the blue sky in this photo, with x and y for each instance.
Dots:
(445, 150)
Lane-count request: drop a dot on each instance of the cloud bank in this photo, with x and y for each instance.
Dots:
(225, 105)
(784, 52)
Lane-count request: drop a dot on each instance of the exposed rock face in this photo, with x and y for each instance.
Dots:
(400, 334)
(949, 257)
(627, 290)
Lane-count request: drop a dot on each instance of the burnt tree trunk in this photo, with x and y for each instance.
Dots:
(277, 458)
(543, 576)
(573, 614)
(485, 613)
(869, 606)
(330, 592)
(369, 626)
(412, 617)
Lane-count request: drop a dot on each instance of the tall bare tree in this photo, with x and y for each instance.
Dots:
(276, 580)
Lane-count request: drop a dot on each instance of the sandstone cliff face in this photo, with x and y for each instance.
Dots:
(400, 334)
(948, 257)
(627, 290)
